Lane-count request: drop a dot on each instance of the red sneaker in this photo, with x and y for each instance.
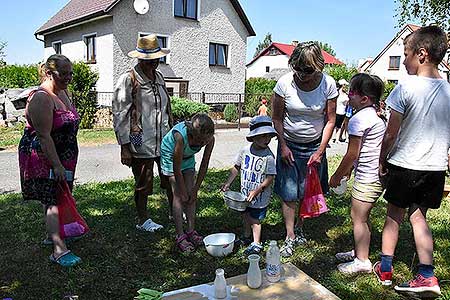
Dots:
(420, 286)
(385, 278)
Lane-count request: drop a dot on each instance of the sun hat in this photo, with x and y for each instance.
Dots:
(148, 48)
(260, 125)
(342, 82)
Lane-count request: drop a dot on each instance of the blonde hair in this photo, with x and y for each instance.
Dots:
(52, 64)
(307, 54)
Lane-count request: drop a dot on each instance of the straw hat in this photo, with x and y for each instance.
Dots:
(148, 48)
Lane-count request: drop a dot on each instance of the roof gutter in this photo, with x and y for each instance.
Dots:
(36, 37)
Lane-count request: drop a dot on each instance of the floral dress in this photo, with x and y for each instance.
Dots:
(34, 165)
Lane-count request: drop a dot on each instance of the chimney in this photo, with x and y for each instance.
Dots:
(294, 43)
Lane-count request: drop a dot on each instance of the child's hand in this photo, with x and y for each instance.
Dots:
(335, 181)
(225, 187)
(251, 196)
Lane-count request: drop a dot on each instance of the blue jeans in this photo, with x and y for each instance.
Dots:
(290, 180)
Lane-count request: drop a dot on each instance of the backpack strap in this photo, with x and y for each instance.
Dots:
(135, 122)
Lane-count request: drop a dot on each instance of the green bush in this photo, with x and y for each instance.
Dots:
(83, 92)
(340, 72)
(255, 90)
(183, 109)
(230, 113)
(19, 76)
(388, 87)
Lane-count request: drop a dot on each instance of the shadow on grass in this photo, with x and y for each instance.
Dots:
(118, 260)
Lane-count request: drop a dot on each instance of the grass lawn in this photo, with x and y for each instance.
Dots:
(118, 260)
(10, 137)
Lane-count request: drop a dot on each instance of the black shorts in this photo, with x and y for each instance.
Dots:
(405, 187)
(339, 121)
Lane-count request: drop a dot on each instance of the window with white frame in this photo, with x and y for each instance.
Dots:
(186, 8)
(91, 48)
(394, 62)
(218, 54)
(163, 42)
(57, 47)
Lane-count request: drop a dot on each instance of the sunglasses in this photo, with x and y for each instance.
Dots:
(304, 71)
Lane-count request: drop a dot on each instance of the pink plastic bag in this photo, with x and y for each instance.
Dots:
(71, 223)
(313, 203)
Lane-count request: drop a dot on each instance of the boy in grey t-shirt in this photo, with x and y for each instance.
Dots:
(256, 164)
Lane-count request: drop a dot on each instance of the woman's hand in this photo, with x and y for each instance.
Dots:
(315, 158)
(287, 156)
(125, 155)
(60, 173)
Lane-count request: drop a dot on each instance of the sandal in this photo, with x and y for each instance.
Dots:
(66, 259)
(195, 238)
(183, 244)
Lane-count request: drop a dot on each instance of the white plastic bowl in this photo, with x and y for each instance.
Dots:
(235, 200)
(219, 244)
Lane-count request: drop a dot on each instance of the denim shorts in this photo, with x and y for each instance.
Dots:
(257, 213)
(290, 180)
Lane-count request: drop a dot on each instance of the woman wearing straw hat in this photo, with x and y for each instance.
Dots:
(142, 116)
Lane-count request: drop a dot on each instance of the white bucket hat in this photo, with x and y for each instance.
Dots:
(260, 125)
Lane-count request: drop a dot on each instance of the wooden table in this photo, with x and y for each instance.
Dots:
(294, 285)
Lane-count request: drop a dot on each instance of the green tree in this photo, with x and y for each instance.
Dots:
(2, 53)
(327, 48)
(255, 90)
(340, 72)
(263, 44)
(83, 92)
(423, 12)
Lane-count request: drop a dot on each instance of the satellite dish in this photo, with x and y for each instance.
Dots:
(141, 6)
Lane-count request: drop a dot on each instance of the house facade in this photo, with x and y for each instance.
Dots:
(388, 64)
(272, 62)
(207, 39)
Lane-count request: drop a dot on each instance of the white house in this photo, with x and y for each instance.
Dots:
(388, 64)
(207, 39)
(272, 62)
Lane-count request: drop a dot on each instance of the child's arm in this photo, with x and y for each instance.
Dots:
(266, 183)
(203, 168)
(390, 136)
(177, 161)
(234, 171)
(346, 165)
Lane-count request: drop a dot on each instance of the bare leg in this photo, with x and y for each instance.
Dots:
(422, 235)
(289, 209)
(361, 229)
(190, 208)
(391, 227)
(177, 208)
(143, 176)
(256, 229)
(52, 222)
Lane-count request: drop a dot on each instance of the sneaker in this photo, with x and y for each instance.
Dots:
(355, 266)
(345, 256)
(385, 278)
(420, 286)
(300, 238)
(254, 248)
(288, 248)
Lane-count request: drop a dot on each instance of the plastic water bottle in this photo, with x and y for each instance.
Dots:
(341, 188)
(273, 264)
(220, 285)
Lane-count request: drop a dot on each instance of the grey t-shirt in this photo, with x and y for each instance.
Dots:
(255, 165)
(424, 138)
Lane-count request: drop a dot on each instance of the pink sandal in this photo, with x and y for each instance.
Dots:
(183, 244)
(195, 238)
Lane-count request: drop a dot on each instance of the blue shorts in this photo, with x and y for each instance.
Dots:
(257, 213)
(290, 180)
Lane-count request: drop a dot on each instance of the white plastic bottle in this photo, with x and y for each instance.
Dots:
(341, 188)
(273, 263)
(220, 285)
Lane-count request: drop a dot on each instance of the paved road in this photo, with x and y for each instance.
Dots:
(102, 163)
